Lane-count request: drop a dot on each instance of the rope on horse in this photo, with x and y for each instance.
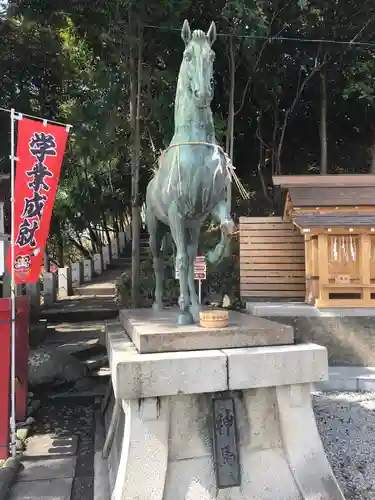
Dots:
(228, 165)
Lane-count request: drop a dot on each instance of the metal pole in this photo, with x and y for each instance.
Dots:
(200, 291)
(12, 291)
(46, 120)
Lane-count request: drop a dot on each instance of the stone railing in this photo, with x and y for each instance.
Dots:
(63, 282)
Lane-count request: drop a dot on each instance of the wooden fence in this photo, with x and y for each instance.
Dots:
(272, 260)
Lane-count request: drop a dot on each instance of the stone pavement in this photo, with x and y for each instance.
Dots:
(45, 478)
(59, 457)
(349, 378)
(94, 300)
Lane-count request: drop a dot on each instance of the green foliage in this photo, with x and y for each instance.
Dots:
(70, 61)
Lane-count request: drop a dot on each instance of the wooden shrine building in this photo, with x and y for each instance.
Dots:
(336, 216)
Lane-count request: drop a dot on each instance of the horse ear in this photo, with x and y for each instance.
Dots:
(211, 34)
(185, 32)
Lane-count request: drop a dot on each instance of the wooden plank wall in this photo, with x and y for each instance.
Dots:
(272, 260)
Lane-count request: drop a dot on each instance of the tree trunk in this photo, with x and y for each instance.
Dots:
(289, 112)
(135, 111)
(229, 146)
(61, 252)
(95, 240)
(106, 230)
(323, 123)
(46, 261)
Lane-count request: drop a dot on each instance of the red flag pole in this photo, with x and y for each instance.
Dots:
(13, 288)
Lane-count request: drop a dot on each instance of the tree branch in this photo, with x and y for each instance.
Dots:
(255, 67)
(300, 89)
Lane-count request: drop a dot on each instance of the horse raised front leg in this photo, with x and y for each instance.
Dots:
(157, 231)
(192, 248)
(227, 226)
(177, 226)
(222, 214)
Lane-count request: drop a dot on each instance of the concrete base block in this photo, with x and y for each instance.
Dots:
(97, 263)
(87, 270)
(77, 274)
(65, 288)
(49, 288)
(160, 442)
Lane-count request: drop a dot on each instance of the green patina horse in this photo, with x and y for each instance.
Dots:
(193, 177)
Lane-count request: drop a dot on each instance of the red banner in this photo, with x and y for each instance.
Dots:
(40, 151)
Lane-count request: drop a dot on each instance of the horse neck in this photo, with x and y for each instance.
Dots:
(191, 122)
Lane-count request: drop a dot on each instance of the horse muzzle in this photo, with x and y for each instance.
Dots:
(202, 100)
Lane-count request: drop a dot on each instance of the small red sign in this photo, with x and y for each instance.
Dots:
(200, 269)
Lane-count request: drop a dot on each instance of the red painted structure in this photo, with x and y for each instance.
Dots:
(22, 353)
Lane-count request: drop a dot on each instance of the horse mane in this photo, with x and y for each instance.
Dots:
(198, 36)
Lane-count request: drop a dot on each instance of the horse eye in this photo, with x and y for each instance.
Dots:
(187, 56)
(212, 56)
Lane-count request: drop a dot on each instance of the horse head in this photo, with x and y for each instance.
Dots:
(197, 63)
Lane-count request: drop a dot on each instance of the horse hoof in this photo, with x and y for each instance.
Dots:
(185, 319)
(194, 311)
(157, 306)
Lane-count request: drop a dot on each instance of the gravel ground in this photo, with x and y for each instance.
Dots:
(346, 422)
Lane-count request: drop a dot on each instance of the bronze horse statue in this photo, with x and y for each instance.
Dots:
(193, 176)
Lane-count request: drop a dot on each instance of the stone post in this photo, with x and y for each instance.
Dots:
(106, 259)
(64, 282)
(87, 270)
(49, 288)
(121, 241)
(77, 274)
(97, 259)
(128, 232)
(33, 290)
(114, 247)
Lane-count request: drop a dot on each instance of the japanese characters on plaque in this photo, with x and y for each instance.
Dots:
(41, 146)
(225, 443)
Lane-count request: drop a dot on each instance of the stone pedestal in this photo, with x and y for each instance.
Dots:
(106, 259)
(158, 332)
(173, 435)
(49, 288)
(77, 273)
(97, 263)
(65, 288)
(87, 270)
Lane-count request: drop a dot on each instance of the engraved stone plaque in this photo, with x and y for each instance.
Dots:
(225, 443)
